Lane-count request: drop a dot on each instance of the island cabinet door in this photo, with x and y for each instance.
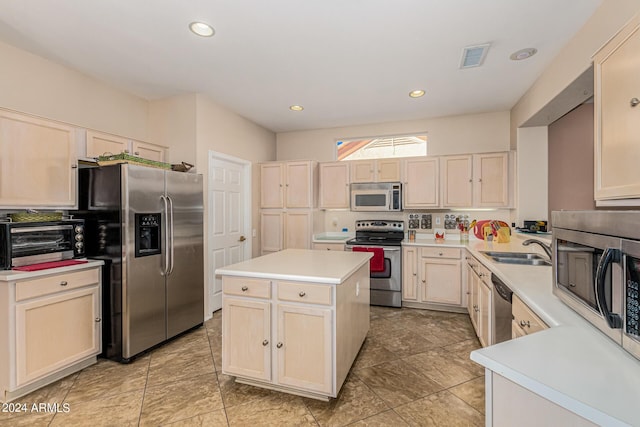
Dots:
(304, 348)
(246, 338)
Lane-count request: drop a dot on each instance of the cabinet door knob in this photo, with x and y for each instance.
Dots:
(634, 102)
(245, 288)
(265, 343)
(98, 320)
(524, 323)
(74, 166)
(279, 345)
(424, 281)
(440, 253)
(63, 283)
(302, 293)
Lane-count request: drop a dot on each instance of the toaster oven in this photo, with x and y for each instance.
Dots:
(26, 243)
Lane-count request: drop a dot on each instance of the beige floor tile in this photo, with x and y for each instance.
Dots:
(384, 419)
(119, 410)
(373, 353)
(27, 420)
(464, 347)
(397, 382)
(234, 393)
(194, 340)
(472, 392)
(107, 378)
(405, 342)
(440, 409)
(169, 367)
(23, 408)
(383, 326)
(355, 402)
(180, 400)
(278, 409)
(215, 344)
(445, 368)
(210, 419)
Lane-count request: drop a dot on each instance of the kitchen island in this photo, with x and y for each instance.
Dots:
(295, 320)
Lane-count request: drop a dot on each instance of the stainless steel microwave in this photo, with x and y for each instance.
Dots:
(596, 270)
(376, 197)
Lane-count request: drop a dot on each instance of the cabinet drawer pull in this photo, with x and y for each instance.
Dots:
(634, 102)
(98, 320)
(424, 281)
(440, 253)
(63, 283)
(265, 343)
(245, 288)
(136, 153)
(524, 323)
(279, 345)
(302, 293)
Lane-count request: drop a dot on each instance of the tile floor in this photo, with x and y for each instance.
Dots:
(413, 369)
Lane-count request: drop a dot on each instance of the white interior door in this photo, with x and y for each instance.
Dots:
(229, 219)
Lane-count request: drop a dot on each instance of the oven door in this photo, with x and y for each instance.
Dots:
(587, 271)
(32, 245)
(370, 200)
(631, 303)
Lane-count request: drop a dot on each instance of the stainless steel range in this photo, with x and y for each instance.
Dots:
(384, 239)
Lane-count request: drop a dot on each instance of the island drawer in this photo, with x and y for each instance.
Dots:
(245, 286)
(430, 252)
(56, 283)
(304, 292)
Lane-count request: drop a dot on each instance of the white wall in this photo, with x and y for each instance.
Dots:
(533, 172)
(445, 135)
(34, 85)
(172, 123)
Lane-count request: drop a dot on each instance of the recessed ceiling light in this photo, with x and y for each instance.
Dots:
(296, 108)
(201, 29)
(523, 54)
(416, 93)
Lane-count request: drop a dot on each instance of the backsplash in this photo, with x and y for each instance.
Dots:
(339, 220)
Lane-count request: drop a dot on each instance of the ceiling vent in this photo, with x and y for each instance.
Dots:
(473, 56)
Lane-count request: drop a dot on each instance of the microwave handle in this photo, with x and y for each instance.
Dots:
(609, 256)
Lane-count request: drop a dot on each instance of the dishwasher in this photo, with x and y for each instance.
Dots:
(501, 317)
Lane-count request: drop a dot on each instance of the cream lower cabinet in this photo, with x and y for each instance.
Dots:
(479, 303)
(328, 246)
(52, 328)
(525, 321)
(296, 337)
(432, 278)
(38, 163)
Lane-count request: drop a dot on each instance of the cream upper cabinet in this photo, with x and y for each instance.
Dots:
(379, 170)
(272, 185)
(421, 182)
(288, 184)
(457, 181)
(476, 180)
(334, 185)
(617, 116)
(102, 144)
(38, 163)
(491, 180)
(148, 151)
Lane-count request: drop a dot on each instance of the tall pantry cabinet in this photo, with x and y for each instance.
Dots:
(288, 201)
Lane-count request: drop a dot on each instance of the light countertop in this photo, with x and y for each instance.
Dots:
(331, 237)
(11, 275)
(572, 364)
(300, 265)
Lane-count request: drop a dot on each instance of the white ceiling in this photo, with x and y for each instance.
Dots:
(347, 62)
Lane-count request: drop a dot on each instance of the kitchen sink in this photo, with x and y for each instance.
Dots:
(524, 258)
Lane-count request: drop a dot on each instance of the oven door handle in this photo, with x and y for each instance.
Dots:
(609, 256)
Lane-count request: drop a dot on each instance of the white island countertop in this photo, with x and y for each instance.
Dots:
(301, 265)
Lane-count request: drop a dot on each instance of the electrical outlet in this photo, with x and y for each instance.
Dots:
(437, 220)
(254, 233)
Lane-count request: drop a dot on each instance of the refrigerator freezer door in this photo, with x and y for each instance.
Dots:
(143, 287)
(185, 282)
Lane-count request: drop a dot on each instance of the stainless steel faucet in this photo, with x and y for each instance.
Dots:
(544, 246)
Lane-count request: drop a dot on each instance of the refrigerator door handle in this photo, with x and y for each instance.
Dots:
(165, 268)
(171, 237)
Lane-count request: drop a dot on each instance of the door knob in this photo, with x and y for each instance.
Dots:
(242, 239)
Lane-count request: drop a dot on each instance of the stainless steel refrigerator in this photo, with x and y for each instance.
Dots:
(146, 224)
